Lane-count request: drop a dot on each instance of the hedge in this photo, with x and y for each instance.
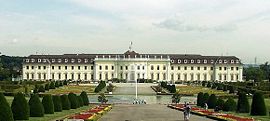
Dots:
(258, 107)
(85, 98)
(48, 104)
(212, 101)
(205, 98)
(41, 88)
(57, 103)
(5, 110)
(73, 101)
(65, 102)
(52, 85)
(47, 87)
(36, 107)
(242, 105)
(80, 100)
(229, 105)
(200, 99)
(20, 107)
(220, 103)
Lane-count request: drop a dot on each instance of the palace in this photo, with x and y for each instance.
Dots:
(132, 66)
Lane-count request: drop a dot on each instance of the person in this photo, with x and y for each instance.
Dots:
(185, 112)
(205, 106)
(188, 110)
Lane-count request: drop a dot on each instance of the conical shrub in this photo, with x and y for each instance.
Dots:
(57, 84)
(5, 110)
(258, 107)
(36, 107)
(85, 98)
(57, 103)
(65, 102)
(52, 85)
(41, 88)
(212, 101)
(229, 105)
(80, 100)
(20, 107)
(220, 103)
(48, 104)
(200, 99)
(73, 101)
(47, 86)
(242, 104)
(205, 98)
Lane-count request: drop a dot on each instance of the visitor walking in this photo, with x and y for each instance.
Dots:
(205, 106)
(185, 112)
(188, 110)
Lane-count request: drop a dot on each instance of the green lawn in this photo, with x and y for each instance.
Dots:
(193, 90)
(56, 115)
(71, 88)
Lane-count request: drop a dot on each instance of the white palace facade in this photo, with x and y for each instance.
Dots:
(132, 66)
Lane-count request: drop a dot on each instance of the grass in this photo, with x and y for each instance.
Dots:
(56, 115)
(71, 88)
(193, 90)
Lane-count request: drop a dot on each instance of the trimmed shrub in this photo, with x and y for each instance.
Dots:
(52, 85)
(242, 104)
(47, 87)
(212, 101)
(5, 110)
(60, 83)
(205, 98)
(258, 107)
(214, 86)
(209, 85)
(65, 102)
(200, 99)
(84, 98)
(225, 88)
(57, 103)
(73, 101)
(20, 107)
(229, 105)
(36, 107)
(204, 83)
(56, 84)
(220, 103)
(231, 89)
(220, 87)
(48, 104)
(100, 86)
(65, 82)
(41, 88)
(80, 100)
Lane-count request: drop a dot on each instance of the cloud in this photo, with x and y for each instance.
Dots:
(183, 26)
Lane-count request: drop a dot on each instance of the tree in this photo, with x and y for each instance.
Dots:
(48, 104)
(85, 98)
(5, 110)
(52, 85)
(57, 104)
(254, 73)
(73, 101)
(36, 107)
(200, 99)
(212, 101)
(20, 107)
(242, 104)
(220, 103)
(229, 105)
(205, 98)
(65, 102)
(258, 107)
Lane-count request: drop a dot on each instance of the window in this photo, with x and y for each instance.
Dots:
(142, 67)
(152, 76)
(232, 68)
(205, 77)
(164, 76)
(138, 67)
(66, 60)
(106, 67)
(192, 68)
(192, 61)
(198, 61)
(85, 76)
(212, 68)
(59, 60)
(59, 67)
(179, 68)
(39, 76)
(85, 60)
(92, 67)
(185, 61)
(106, 76)
(232, 61)
(220, 68)
(79, 67)
(44, 67)
(172, 68)
(225, 68)
(185, 77)
(85, 67)
(225, 77)
(198, 77)
(92, 76)
(172, 77)
(198, 68)
(157, 76)
(205, 68)
(66, 76)
(52, 67)
(39, 67)
(27, 67)
(121, 67)
(72, 60)
(59, 76)
(185, 68)
(72, 76)
(79, 60)
(65, 67)
(79, 76)
(204, 61)
(191, 77)
(32, 67)
(237, 68)
(100, 67)
(220, 77)
(112, 75)
(220, 61)
(232, 77)
(112, 67)
(172, 61)
(152, 67)
(100, 76)
(179, 61)
(72, 67)
(158, 67)
(39, 60)
(178, 76)
(164, 67)
(126, 67)
(27, 60)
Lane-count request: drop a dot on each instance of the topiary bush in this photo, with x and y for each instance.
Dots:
(209, 85)
(212, 101)
(229, 105)
(73, 101)
(225, 88)
(57, 103)
(258, 107)
(85, 98)
(41, 88)
(52, 85)
(205, 98)
(56, 84)
(220, 103)
(65, 102)
(231, 89)
(47, 86)
(5, 110)
(65, 82)
(20, 107)
(200, 99)
(242, 105)
(36, 107)
(220, 87)
(80, 100)
(48, 104)
(100, 86)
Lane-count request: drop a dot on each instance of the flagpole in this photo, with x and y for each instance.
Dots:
(136, 89)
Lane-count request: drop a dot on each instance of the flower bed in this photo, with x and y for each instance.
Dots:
(92, 114)
(211, 114)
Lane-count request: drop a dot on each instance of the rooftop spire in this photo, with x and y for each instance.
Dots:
(130, 47)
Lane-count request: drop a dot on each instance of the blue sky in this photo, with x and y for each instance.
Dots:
(207, 27)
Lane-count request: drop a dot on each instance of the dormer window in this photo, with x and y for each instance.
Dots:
(204, 61)
(220, 61)
(225, 61)
(237, 61)
(198, 61)
(86, 60)
(232, 61)
(39, 60)
(172, 61)
(72, 60)
(27, 60)
(44, 60)
(59, 60)
(192, 61)
(53, 60)
(212, 61)
(32, 60)
(79, 60)
(179, 61)
(185, 61)
(66, 60)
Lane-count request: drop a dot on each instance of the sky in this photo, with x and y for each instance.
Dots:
(208, 27)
